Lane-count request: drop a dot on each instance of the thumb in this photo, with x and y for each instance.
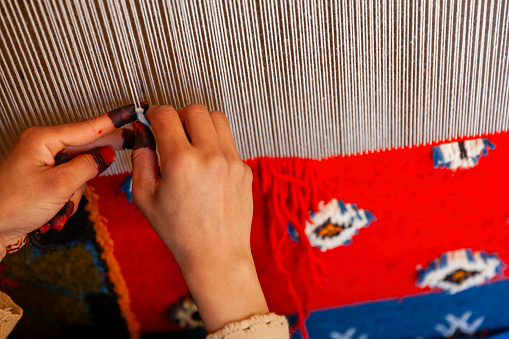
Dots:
(85, 166)
(145, 165)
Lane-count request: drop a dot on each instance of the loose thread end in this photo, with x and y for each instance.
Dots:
(140, 112)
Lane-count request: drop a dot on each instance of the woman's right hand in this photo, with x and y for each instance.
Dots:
(201, 207)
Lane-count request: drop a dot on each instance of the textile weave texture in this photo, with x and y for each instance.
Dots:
(370, 286)
(68, 292)
(422, 219)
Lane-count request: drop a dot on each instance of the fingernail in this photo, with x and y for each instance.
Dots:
(62, 216)
(144, 105)
(143, 137)
(44, 228)
(103, 156)
(128, 137)
(122, 115)
(62, 157)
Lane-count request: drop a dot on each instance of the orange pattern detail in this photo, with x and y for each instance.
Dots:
(330, 230)
(119, 285)
(460, 276)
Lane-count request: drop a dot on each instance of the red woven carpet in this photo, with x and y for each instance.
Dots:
(421, 213)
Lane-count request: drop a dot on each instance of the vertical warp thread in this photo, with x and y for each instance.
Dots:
(311, 79)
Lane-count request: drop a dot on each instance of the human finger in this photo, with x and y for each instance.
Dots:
(199, 127)
(62, 157)
(168, 131)
(119, 139)
(70, 207)
(224, 134)
(145, 166)
(88, 131)
(84, 167)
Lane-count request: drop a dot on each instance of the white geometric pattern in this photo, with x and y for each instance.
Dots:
(347, 335)
(460, 323)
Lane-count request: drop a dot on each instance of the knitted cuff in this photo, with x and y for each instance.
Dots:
(10, 313)
(270, 326)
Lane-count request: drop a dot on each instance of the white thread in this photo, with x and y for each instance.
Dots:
(140, 113)
(308, 78)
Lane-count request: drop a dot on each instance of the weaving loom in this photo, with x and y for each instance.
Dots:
(302, 81)
(304, 78)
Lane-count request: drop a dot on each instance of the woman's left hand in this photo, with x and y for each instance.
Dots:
(44, 175)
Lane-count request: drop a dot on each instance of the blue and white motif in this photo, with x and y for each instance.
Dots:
(459, 326)
(127, 187)
(482, 311)
(462, 154)
(335, 224)
(456, 271)
(292, 232)
(349, 334)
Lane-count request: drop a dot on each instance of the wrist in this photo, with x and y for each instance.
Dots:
(225, 290)
(10, 241)
(4, 239)
(211, 259)
(3, 216)
(7, 216)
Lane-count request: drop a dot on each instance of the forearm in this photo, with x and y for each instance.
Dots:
(227, 292)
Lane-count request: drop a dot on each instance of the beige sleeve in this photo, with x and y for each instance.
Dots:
(270, 326)
(10, 313)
